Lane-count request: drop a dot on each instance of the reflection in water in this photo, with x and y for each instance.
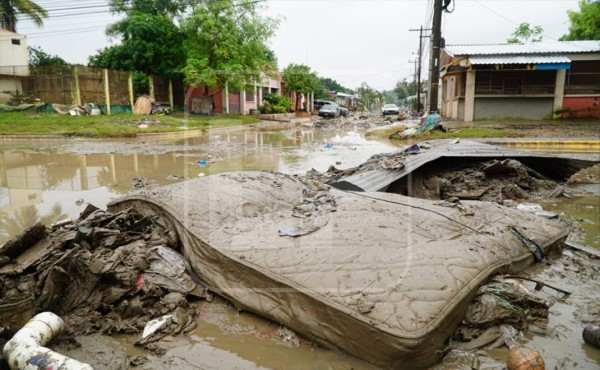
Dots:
(33, 181)
(19, 220)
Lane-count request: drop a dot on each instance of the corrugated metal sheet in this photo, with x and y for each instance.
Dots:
(524, 59)
(558, 47)
(379, 180)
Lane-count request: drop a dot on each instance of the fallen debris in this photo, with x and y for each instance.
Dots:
(105, 272)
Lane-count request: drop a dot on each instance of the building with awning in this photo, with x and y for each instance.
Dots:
(539, 80)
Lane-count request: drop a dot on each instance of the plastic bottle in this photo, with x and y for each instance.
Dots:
(591, 335)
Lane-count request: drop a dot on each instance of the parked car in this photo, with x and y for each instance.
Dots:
(330, 110)
(390, 109)
(318, 103)
(343, 111)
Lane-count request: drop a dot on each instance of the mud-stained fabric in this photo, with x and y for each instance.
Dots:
(383, 277)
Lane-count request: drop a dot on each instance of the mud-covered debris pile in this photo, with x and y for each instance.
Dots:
(501, 311)
(495, 180)
(387, 161)
(107, 273)
(492, 181)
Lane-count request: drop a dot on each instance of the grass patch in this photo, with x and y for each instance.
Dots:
(118, 125)
(467, 132)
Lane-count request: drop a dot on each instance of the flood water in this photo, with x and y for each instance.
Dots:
(54, 181)
(51, 181)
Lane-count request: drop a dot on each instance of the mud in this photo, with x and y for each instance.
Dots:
(494, 181)
(45, 175)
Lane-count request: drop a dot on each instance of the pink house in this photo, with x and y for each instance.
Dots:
(230, 101)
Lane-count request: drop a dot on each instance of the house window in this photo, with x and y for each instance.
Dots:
(16, 42)
(513, 86)
(249, 96)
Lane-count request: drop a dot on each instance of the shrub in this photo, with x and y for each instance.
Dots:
(273, 103)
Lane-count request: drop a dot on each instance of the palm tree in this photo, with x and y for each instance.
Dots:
(9, 9)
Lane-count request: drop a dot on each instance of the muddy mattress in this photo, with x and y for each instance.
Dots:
(380, 276)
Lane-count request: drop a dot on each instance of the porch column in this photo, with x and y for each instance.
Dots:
(243, 101)
(260, 97)
(256, 102)
(470, 96)
(225, 94)
(559, 92)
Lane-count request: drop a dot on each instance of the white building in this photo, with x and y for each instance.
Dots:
(14, 62)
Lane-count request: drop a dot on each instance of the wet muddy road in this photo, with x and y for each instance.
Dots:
(54, 181)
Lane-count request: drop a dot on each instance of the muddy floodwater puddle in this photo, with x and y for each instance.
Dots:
(54, 181)
(50, 182)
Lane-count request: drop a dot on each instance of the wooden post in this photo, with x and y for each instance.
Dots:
(76, 91)
(151, 85)
(130, 85)
(171, 94)
(106, 91)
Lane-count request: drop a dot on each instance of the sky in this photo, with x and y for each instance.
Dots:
(351, 41)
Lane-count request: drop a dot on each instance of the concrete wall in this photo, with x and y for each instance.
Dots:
(581, 106)
(12, 54)
(517, 107)
(8, 84)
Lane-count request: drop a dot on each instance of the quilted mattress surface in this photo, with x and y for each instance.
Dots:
(383, 277)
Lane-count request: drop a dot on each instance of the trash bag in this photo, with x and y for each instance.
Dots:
(431, 122)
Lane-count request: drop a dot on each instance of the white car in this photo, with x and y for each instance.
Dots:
(390, 109)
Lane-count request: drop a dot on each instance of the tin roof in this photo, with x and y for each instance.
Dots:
(558, 47)
(523, 59)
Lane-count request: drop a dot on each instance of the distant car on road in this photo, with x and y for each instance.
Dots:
(390, 109)
(330, 110)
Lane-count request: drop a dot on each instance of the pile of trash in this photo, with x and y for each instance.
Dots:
(387, 161)
(502, 311)
(104, 273)
(90, 109)
(147, 105)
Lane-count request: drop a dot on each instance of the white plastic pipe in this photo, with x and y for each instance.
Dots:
(26, 351)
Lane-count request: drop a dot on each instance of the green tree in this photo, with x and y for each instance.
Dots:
(389, 97)
(371, 98)
(404, 89)
(38, 57)
(333, 85)
(585, 24)
(10, 9)
(226, 43)
(301, 79)
(154, 7)
(524, 32)
(151, 44)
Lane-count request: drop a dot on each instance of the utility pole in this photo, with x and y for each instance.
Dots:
(434, 64)
(421, 29)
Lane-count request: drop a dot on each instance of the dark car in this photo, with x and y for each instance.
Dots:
(390, 109)
(330, 110)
